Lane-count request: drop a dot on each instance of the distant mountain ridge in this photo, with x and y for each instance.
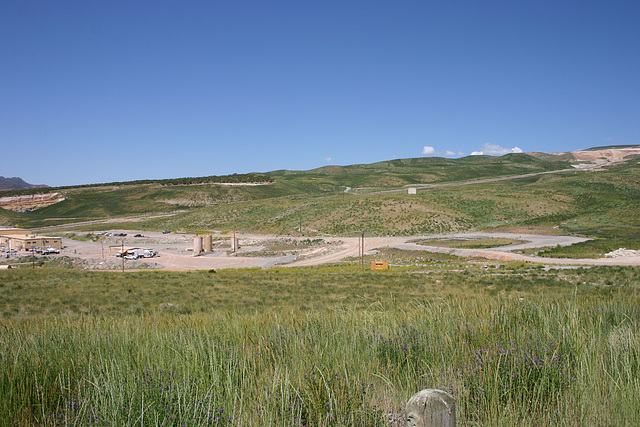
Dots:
(413, 168)
(16, 183)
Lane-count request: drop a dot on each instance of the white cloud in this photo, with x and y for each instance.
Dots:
(328, 159)
(490, 149)
(426, 150)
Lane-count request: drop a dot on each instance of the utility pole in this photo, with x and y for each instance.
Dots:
(359, 248)
(122, 255)
(233, 244)
(301, 220)
(362, 251)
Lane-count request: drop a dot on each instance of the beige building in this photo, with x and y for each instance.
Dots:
(21, 239)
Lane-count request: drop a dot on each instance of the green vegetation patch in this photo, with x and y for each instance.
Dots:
(86, 237)
(464, 243)
(319, 346)
(591, 249)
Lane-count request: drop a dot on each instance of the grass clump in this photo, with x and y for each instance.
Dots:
(464, 243)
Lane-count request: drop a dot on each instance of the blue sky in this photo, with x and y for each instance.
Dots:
(103, 91)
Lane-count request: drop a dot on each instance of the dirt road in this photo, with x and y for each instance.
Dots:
(504, 253)
(176, 251)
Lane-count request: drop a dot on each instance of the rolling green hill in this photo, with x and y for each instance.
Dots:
(425, 170)
(145, 197)
(602, 204)
(334, 200)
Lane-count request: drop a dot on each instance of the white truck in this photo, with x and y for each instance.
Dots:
(140, 253)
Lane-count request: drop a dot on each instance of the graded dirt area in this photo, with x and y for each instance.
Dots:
(605, 156)
(175, 251)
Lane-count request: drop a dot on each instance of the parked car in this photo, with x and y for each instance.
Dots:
(166, 232)
(48, 251)
(138, 235)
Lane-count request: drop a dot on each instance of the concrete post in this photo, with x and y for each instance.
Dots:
(431, 408)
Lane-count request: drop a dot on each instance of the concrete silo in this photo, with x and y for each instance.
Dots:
(208, 243)
(197, 244)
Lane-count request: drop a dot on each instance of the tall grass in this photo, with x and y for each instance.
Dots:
(543, 361)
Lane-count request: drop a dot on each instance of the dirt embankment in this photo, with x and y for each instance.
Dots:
(610, 154)
(599, 158)
(29, 202)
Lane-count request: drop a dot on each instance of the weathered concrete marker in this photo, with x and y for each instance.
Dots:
(431, 408)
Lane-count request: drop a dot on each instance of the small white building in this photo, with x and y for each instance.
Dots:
(413, 190)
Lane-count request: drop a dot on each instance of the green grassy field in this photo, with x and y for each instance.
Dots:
(320, 346)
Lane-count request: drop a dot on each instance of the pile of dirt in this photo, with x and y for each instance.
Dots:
(623, 253)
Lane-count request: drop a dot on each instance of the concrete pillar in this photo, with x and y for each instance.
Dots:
(431, 408)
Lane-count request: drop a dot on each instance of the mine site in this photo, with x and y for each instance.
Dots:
(125, 249)
(180, 250)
